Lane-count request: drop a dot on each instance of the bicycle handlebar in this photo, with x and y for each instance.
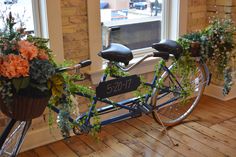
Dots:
(85, 63)
(75, 67)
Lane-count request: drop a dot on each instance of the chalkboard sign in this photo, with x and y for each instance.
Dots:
(117, 86)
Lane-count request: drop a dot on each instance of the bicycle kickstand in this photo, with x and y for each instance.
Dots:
(166, 132)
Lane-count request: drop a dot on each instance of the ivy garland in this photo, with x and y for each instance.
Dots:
(179, 67)
(183, 67)
(113, 70)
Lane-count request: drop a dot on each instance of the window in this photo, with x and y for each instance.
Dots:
(21, 10)
(174, 23)
(139, 21)
(40, 18)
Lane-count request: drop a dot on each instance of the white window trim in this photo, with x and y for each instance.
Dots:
(178, 18)
(48, 25)
(47, 20)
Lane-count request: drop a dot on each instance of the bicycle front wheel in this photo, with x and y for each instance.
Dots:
(15, 133)
(170, 106)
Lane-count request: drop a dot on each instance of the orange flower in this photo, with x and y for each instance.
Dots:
(42, 55)
(14, 66)
(27, 49)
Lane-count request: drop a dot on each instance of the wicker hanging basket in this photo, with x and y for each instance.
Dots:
(26, 105)
(195, 49)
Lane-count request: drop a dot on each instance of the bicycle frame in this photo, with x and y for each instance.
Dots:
(132, 105)
(135, 106)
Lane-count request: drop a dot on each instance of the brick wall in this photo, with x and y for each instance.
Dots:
(221, 8)
(196, 15)
(75, 29)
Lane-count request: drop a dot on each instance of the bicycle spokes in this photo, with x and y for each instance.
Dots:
(12, 144)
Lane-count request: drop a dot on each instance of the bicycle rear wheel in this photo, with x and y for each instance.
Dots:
(170, 107)
(15, 133)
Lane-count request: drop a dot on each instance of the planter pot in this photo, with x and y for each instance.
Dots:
(195, 49)
(25, 106)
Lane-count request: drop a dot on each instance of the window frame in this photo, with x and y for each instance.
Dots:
(45, 20)
(176, 10)
(47, 15)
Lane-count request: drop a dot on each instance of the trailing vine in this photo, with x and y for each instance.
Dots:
(181, 67)
(113, 70)
(142, 90)
(158, 72)
(67, 101)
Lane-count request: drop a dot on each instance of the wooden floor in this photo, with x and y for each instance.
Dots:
(209, 131)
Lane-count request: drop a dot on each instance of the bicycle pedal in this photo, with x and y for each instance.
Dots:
(145, 108)
(136, 114)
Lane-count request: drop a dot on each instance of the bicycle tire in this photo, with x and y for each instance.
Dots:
(175, 112)
(15, 138)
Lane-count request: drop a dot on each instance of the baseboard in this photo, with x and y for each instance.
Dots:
(40, 137)
(216, 92)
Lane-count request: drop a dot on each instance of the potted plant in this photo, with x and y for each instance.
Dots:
(214, 45)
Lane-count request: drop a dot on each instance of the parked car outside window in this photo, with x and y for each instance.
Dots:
(10, 1)
(138, 4)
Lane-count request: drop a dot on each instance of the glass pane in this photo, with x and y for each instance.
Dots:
(139, 21)
(21, 11)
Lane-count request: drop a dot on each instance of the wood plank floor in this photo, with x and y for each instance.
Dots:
(209, 131)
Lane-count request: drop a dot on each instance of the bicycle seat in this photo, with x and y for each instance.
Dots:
(118, 53)
(170, 46)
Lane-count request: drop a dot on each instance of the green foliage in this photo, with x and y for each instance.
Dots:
(158, 72)
(96, 124)
(20, 83)
(227, 81)
(83, 89)
(6, 91)
(113, 70)
(215, 45)
(8, 37)
(40, 72)
(142, 90)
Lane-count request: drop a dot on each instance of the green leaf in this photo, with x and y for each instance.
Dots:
(20, 83)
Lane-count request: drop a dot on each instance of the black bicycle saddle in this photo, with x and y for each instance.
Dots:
(170, 46)
(118, 53)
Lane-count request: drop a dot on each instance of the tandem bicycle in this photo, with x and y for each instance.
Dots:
(162, 99)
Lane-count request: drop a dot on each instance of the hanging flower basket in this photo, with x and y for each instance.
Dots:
(215, 45)
(29, 77)
(26, 105)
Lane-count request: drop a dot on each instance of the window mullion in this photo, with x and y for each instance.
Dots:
(36, 17)
(165, 20)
